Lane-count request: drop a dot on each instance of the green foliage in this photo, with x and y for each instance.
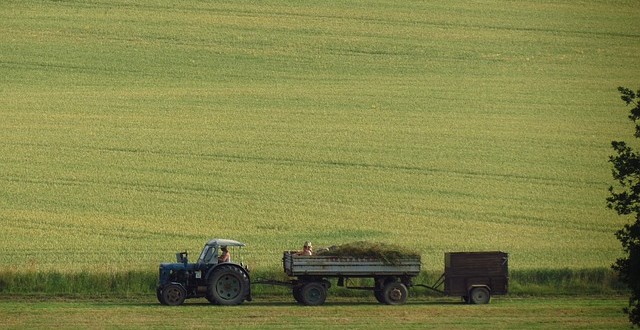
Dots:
(626, 170)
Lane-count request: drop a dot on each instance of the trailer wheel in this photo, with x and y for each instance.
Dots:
(173, 295)
(480, 296)
(378, 293)
(395, 293)
(297, 294)
(313, 294)
(228, 285)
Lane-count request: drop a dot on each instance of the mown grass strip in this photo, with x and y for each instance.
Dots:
(283, 313)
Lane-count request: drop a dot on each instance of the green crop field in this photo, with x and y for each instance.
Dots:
(130, 130)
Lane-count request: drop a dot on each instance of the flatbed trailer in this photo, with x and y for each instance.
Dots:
(311, 274)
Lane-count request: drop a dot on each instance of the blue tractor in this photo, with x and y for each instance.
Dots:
(222, 282)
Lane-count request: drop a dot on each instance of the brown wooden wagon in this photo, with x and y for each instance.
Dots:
(474, 276)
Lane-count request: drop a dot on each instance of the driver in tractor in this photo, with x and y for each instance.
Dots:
(224, 255)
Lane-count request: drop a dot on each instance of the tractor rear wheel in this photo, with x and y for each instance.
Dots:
(210, 299)
(228, 285)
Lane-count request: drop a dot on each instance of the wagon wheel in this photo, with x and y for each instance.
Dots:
(378, 291)
(480, 296)
(313, 294)
(297, 294)
(379, 294)
(395, 293)
(228, 285)
(173, 295)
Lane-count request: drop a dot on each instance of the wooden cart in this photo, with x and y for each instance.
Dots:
(474, 276)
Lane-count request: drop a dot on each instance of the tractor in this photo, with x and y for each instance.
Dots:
(221, 282)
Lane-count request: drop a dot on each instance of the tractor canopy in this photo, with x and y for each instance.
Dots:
(224, 242)
(211, 249)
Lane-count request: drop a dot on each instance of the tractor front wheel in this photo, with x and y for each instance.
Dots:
(173, 295)
(159, 295)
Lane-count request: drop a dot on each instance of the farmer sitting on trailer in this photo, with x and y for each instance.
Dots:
(224, 255)
(307, 249)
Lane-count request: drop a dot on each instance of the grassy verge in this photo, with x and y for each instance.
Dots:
(81, 283)
(536, 282)
(348, 313)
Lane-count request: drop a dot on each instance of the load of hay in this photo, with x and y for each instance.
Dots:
(389, 253)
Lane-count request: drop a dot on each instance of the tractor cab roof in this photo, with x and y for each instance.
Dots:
(224, 242)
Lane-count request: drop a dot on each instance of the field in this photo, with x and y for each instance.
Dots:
(130, 130)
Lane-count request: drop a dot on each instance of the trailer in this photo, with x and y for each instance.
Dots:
(474, 276)
(310, 276)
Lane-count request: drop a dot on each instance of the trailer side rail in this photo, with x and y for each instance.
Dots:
(330, 266)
